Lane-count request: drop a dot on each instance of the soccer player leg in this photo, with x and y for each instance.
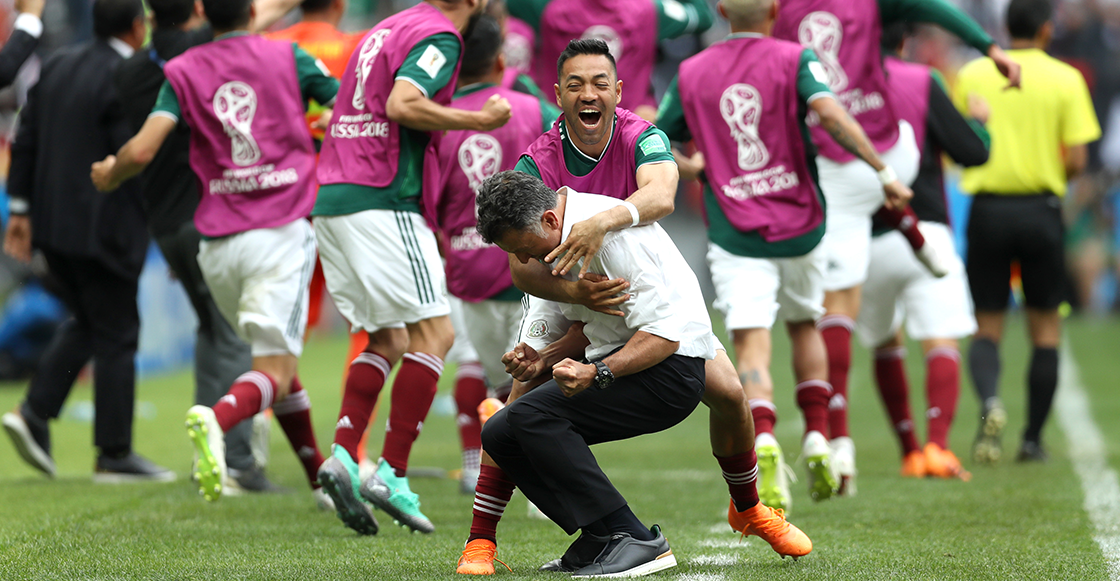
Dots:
(414, 294)
(745, 293)
(938, 314)
(469, 392)
(878, 325)
(800, 298)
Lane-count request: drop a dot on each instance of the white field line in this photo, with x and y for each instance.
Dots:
(1087, 451)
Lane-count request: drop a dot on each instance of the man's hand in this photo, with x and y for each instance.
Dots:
(978, 108)
(573, 376)
(324, 121)
(584, 241)
(32, 7)
(494, 113)
(523, 363)
(1006, 66)
(101, 173)
(897, 195)
(601, 294)
(17, 240)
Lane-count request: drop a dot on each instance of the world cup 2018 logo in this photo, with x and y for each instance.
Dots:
(480, 157)
(370, 49)
(741, 107)
(235, 104)
(822, 32)
(607, 35)
(518, 52)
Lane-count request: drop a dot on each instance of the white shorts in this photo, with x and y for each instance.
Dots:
(753, 292)
(382, 268)
(853, 194)
(259, 280)
(462, 350)
(493, 327)
(899, 288)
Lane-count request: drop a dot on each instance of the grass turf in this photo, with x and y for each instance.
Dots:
(1011, 522)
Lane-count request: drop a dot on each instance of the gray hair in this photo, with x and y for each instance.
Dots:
(512, 200)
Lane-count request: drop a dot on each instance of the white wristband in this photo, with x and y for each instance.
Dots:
(633, 213)
(18, 206)
(887, 175)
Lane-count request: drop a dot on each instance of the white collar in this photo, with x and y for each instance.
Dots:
(121, 47)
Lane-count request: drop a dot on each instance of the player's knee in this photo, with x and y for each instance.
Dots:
(391, 344)
(496, 433)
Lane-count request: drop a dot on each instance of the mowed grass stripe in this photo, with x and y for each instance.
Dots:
(1010, 522)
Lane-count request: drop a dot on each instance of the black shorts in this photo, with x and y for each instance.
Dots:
(1027, 229)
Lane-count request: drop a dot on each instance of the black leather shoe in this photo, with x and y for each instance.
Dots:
(580, 554)
(250, 480)
(626, 556)
(31, 436)
(131, 467)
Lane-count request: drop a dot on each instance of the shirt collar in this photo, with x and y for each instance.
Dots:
(745, 35)
(564, 135)
(121, 47)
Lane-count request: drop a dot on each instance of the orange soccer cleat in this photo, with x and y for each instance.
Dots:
(942, 463)
(771, 525)
(478, 558)
(914, 465)
(489, 407)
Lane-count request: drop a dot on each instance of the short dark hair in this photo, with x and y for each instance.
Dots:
(481, 48)
(115, 17)
(227, 14)
(171, 13)
(315, 5)
(579, 46)
(1026, 17)
(512, 200)
(497, 9)
(894, 34)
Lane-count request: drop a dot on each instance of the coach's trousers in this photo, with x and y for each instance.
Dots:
(542, 440)
(220, 356)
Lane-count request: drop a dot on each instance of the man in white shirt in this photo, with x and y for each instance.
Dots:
(646, 370)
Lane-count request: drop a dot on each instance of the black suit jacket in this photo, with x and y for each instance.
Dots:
(15, 52)
(73, 118)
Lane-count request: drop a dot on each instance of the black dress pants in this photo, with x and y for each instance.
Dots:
(105, 327)
(542, 440)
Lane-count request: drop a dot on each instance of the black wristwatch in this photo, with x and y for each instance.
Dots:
(603, 378)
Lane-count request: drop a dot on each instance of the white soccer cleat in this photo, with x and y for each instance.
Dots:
(822, 480)
(843, 456)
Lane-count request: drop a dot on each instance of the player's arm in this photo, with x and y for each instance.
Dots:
(954, 20)
(138, 152)
(677, 18)
(965, 140)
(268, 12)
(1079, 124)
(315, 81)
(657, 190)
(641, 352)
(427, 69)
(671, 120)
(21, 180)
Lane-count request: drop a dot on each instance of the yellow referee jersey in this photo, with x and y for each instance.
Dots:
(1029, 126)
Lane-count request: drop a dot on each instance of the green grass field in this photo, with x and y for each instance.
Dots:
(1010, 522)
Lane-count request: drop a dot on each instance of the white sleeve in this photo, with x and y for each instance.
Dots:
(542, 324)
(648, 308)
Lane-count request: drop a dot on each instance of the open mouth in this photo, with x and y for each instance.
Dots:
(590, 118)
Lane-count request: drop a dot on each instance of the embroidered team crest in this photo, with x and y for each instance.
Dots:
(741, 107)
(480, 157)
(822, 32)
(538, 329)
(607, 35)
(370, 49)
(235, 104)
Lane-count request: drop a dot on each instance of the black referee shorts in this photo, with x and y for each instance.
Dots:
(1027, 229)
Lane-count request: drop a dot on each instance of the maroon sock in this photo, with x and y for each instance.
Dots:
(363, 385)
(741, 473)
(890, 376)
(765, 415)
(294, 414)
(490, 498)
(470, 390)
(251, 394)
(413, 392)
(905, 221)
(943, 385)
(812, 398)
(836, 330)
